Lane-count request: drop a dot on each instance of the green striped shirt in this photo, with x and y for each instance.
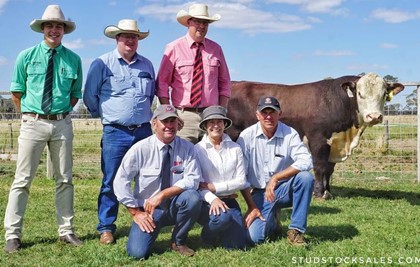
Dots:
(29, 77)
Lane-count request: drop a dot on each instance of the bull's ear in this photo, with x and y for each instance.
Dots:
(393, 89)
(350, 88)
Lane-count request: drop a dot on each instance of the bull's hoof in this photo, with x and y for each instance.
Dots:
(327, 195)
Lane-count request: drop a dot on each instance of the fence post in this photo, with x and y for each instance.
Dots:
(418, 136)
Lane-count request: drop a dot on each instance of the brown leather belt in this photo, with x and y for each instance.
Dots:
(51, 117)
(196, 110)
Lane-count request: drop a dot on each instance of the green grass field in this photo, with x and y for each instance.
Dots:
(365, 223)
(372, 221)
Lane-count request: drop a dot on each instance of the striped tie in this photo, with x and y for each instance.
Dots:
(47, 95)
(197, 81)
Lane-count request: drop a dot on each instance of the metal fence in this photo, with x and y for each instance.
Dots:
(387, 151)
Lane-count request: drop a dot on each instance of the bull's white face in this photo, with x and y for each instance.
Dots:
(371, 91)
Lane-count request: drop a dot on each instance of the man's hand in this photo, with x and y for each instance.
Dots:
(153, 202)
(145, 221)
(269, 190)
(216, 206)
(251, 215)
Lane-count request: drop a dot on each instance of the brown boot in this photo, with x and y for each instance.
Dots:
(296, 238)
(182, 249)
(106, 238)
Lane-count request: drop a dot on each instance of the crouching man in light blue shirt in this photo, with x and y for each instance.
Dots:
(277, 166)
(162, 195)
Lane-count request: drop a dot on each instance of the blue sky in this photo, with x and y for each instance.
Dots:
(279, 41)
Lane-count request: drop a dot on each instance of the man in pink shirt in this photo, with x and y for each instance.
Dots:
(179, 65)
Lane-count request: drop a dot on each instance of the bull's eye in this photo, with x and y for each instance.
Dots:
(360, 95)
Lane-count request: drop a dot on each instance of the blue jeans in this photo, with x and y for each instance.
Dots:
(115, 143)
(183, 212)
(228, 227)
(296, 193)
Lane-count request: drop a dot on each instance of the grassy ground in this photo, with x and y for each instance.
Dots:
(369, 224)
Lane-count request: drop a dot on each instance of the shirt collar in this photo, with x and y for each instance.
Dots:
(277, 134)
(208, 144)
(118, 55)
(191, 42)
(160, 144)
(46, 48)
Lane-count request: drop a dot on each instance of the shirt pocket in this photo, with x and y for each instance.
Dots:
(185, 67)
(36, 76)
(147, 84)
(149, 180)
(213, 65)
(67, 76)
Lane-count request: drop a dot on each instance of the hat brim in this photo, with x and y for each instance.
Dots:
(228, 122)
(112, 31)
(183, 17)
(269, 106)
(36, 25)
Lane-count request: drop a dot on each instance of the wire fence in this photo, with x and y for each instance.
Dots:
(387, 151)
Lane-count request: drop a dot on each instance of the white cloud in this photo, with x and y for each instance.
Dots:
(367, 68)
(334, 53)
(393, 15)
(319, 6)
(236, 16)
(388, 45)
(2, 4)
(3, 61)
(75, 44)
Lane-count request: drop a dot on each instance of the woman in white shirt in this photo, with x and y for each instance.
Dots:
(223, 174)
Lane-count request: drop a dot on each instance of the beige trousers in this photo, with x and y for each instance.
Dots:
(34, 135)
(190, 131)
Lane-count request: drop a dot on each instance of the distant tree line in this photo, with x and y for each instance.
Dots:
(8, 110)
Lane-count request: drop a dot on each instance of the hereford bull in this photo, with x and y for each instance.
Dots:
(330, 114)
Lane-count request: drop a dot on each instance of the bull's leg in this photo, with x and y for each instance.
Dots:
(320, 151)
(330, 169)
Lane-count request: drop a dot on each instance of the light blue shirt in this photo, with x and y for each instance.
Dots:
(224, 168)
(120, 93)
(142, 165)
(265, 157)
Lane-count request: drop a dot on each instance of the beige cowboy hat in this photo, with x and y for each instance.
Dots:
(125, 26)
(53, 13)
(199, 11)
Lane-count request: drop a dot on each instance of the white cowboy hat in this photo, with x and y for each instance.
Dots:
(199, 11)
(53, 13)
(125, 26)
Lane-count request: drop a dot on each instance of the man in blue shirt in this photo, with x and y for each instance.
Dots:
(163, 194)
(120, 88)
(277, 166)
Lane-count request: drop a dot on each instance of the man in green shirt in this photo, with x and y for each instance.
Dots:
(45, 91)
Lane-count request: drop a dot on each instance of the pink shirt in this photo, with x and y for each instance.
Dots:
(176, 71)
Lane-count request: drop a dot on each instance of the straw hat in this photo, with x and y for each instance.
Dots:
(125, 26)
(199, 11)
(214, 113)
(53, 13)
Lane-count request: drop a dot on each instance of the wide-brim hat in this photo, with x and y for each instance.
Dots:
(125, 26)
(53, 13)
(214, 113)
(268, 102)
(199, 11)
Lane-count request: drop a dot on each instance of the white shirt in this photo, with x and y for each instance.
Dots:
(223, 168)
(142, 165)
(265, 157)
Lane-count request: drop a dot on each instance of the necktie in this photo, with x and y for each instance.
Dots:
(47, 95)
(197, 81)
(165, 173)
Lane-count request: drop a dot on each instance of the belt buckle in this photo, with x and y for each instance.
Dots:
(60, 116)
(132, 127)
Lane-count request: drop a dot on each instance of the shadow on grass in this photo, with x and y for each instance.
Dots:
(332, 233)
(349, 192)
